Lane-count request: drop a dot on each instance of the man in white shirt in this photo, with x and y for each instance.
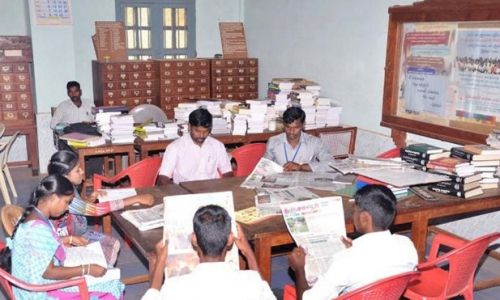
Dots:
(74, 109)
(196, 156)
(296, 150)
(375, 255)
(212, 278)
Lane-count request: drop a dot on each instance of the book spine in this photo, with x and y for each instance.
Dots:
(412, 153)
(460, 153)
(445, 191)
(457, 187)
(430, 165)
(414, 160)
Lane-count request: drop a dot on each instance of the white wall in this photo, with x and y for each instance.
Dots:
(340, 44)
(14, 17)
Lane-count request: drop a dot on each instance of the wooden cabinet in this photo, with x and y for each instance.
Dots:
(182, 80)
(127, 83)
(235, 79)
(17, 97)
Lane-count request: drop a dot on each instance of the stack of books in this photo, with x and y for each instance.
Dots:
(182, 111)
(451, 165)
(82, 140)
(327, 113)
(256, 116)
(122, 129)
(171, 131)
(219, 126)
(149, 133)
(399, 192)
(239, 124)
(281, 102)
(421, 154)
(213, 106)
(484, 158)
(279, 88)
(103, 120)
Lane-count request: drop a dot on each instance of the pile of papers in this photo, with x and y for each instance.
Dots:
(182, 111)
(220, 126)
(122, 129)
(239, 124)
(213, 107)
(152, 133)
(103, 120)
(147, 218)
(171, 131)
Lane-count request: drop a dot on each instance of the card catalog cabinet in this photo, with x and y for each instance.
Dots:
(235, 79)
(16, 81)
(183, 80)
(127, 83)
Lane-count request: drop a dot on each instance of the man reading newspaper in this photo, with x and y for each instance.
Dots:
(375, 255)
(212, 278)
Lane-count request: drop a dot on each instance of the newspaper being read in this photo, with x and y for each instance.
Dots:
(90, 254)
(117, 194)
(267, 201)
(317, 225)
(179, 212)
(146, 218)
(264, 167)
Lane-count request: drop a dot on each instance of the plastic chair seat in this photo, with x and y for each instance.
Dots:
(247, 157)
(430, 286)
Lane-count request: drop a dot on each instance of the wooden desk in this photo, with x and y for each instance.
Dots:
(31, 146)
(413, 210)
(145, 148)
(145, 241)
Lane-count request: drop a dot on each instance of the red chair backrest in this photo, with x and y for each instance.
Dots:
(390, 288)
(247, 157)
(463, 262)
(143, 173)
(392, 153)
(7, 281)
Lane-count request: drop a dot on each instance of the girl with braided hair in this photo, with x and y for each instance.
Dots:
(72, 226)
(35, 252)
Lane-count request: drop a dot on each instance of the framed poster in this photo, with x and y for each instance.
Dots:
(442, 75)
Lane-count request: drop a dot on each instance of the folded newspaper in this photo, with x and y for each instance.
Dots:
(268, 201)
(117, 194)
(179, 212)
(317, 225)
(146, 218)
(264, 167)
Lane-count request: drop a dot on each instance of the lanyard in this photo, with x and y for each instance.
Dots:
(295, 155)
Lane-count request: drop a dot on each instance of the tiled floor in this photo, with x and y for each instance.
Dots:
(130, 264)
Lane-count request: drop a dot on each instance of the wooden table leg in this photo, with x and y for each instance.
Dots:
(106, 225)
(32, 152)
(263, 256)
(419, 236)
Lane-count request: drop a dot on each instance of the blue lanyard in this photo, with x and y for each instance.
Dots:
(295, 155)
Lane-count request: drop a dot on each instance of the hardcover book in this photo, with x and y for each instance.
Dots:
(424, 148)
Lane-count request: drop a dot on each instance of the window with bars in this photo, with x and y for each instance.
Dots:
(158, 28)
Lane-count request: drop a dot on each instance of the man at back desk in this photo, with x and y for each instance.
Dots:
(195, 156)
(296, 150)
(73, 110)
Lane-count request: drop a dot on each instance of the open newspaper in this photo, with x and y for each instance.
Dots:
(264, 167)
(90, 254)
(269, 175)
(355, 164)
(146, 218)
(268, 201)
(179, 212)
(317, 225)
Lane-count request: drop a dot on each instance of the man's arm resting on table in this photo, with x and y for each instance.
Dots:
(163, 180)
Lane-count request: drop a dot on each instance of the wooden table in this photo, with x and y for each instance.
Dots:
(145, 241)
(146, 148)
(413, 210)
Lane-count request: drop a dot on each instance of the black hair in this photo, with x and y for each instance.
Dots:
(292, 114)
(212, 225)
(200, 117)
(50, 185)
(62, 162)
(71, 84)
(379, 202)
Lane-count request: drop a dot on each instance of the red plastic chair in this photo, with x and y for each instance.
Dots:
(390, 288)
(437, 283)
(7, 281)
(392, 153)
(247, 158)
(141, 174)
